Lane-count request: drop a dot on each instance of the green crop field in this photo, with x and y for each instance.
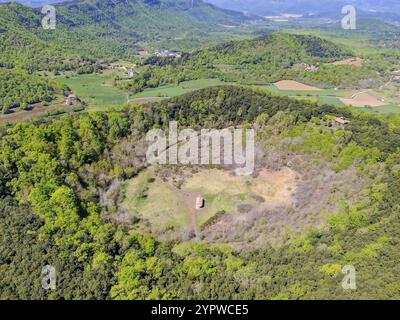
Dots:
(96, 90)
(329, 96)
(323, 96)
(383, 109)
(174, 90)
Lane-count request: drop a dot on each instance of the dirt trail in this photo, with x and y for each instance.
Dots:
(146, 100)
(189, 199)
(387, 84)
(37, 111)
(359, 93)
(362, 99)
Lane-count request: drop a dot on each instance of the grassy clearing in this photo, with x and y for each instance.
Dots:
(333, 97)
(330, 96)
(96, 90)
(320, 93)
(164, 207)
(324, 96)
(155, 202)
(174, 90)
(382, 109)
(222, 192)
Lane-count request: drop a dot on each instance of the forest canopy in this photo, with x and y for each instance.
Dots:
(53, 173)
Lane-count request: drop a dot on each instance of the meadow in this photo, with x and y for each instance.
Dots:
(174, 90)
(97, 90)
(324, 96)
(167, 207)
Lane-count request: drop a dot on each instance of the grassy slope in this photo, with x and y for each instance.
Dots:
(104, 28)
(96, 90)
(89, 30)
(174, 90)
(132, 24)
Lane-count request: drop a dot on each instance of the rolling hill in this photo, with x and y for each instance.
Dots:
(266, 59)
(112, 27)
(383, 9)
(87, 31)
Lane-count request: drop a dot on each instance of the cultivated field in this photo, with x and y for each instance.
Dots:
(96, 90)
(357, 62)
(362, 100)
(145, 100)
(294, 85)
(35, 112)
(174, 90)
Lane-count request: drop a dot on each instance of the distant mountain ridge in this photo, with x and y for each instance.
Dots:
(108, 27)
(383, 9)
(198, 11)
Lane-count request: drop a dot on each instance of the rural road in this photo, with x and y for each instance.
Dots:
(189, 198)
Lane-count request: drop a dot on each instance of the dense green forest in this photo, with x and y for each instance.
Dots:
(54, 173)
(63, 178)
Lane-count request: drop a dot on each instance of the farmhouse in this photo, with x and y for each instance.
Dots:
(71, 99)
(340, 122)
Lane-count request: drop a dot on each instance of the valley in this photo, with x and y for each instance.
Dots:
(78, 190)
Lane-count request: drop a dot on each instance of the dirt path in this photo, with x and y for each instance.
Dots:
(146, 100)
(359, 93)
(386, 84)
(369, 90)
(189, 199)
(30, 114)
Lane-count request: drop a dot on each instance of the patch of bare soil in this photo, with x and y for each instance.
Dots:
(294, 85)
(276, 187)
(357, 62)
(36, 112)
(310, 191)
(362, 100)
(145, 100)
(189, 199)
